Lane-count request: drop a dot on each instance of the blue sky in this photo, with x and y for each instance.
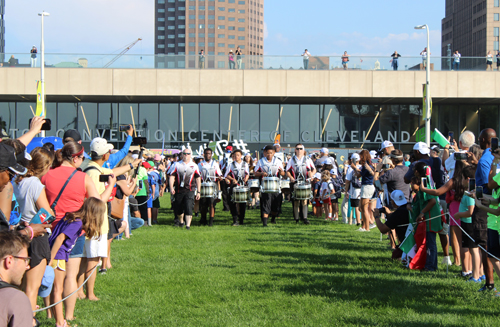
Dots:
(325, 27)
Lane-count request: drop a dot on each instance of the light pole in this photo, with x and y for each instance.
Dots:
(427, 87)
(42, 67)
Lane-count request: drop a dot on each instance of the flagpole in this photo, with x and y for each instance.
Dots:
(229, 128)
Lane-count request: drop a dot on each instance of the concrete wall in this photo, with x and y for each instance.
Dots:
(250, 83)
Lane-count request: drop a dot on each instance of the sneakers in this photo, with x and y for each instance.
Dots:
(372, 226)
(482, 278)
(235, 224)
(466, 274)
(361, 229)
(446, 261)
(103, 271)
(474, 280)
(188, 227)
(486, 288)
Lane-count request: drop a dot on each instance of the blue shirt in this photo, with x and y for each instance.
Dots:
(153, 179)
(366, 177)
(115, 158)
(483, 170)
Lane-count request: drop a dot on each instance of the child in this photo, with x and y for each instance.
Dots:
(317, 203)
(89, 218)
(325, 192)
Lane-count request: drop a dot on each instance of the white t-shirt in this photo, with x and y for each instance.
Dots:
(449, 164)
(328, 186)
(354, 193)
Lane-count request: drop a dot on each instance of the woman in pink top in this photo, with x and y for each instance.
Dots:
(79, 187)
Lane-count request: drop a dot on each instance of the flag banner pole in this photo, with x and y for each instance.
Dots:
(278, 125)
(373, 123)
(229, 128)
(32, 111)
(85, 119)
(133, 120)
(326, 121)
(182, 122)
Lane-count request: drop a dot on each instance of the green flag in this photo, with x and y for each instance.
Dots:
(213, 146)
(409, 241)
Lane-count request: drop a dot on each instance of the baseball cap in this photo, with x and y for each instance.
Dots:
(229, 148)
(146, 165)
(421, 147)
(386, 144)
(100, 146)
(317, 175)
(152, 164)
(8, 159)
(355, 156)
(74, 134)
(399, 197)
(436, 148)
(47, 282)
(324, 150)
(373, 153)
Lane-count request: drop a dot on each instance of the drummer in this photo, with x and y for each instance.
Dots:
(237, 174)
(187, 176)
(300, 169)
(270, 203)
(210, 173)
(223, 163)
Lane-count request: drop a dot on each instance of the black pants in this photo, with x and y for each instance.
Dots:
(205, 205)
(225, 195)
(143, 206)
(237, 209)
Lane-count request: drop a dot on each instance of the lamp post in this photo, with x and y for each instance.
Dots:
(42, 68)
(428, 93)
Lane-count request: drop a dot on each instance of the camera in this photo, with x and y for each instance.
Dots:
(46, 126)
(139, 140)
(124, 128)
(103, 178)
(460, 156)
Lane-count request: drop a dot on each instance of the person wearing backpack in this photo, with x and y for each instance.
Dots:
(353, 188)
(325, 192)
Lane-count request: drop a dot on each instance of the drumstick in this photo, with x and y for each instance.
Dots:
(133, 121)
(229, 128)
(182, 122)
(32, 111)
(373, 123)
(326, 121)
(278, 125)
(85, 119)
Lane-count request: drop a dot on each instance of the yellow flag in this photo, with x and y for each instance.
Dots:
(424, 112)
(40, 111)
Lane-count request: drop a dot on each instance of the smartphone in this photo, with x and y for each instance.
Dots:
(494, 143)
(479, 192)
(124, 128)
(460, 156)
(139, 140)
(374, 161)
(472, 184)
(385, 166)
(46, 126)
(104, 178)
(141, 184)
(424, 182)
(450, 134)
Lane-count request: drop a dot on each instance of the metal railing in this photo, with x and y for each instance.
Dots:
(135, 61)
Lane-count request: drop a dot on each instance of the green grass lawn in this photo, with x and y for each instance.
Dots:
(324, 274)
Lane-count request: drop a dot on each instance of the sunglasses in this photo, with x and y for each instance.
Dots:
(186, 153)
(299, 148)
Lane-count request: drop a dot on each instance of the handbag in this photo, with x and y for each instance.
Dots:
(117, 207)
(54, 204)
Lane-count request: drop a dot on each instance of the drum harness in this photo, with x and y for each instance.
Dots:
(238, 172)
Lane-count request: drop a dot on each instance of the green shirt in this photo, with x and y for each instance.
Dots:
(142, 174)
(435, 225)
(494, 221)
(465, 203)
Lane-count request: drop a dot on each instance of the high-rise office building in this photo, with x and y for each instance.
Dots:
(2, 31)
(185, 27)
(472, 28)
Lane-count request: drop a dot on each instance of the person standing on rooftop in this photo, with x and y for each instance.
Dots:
(306, 56)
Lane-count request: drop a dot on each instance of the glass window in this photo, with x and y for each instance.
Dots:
(90, 110)
(289, 123)
(161, 37)
(241, 11)
(182, 17)
(388, 122)
(410, 120)
(495, 31)
(191, 53)
(182, 8)
(108, 117)
(309, 123)
(495, 45)
(161, 28)
(201, 44)
(192, 26)
(469, 118)
(497, 4)
(241, 29)
(171, 45)
(192, 16)
(241, 38)
(209, 114)
(169, 120)
(211, 16)
(192, 7)
(161, 10)
(231, 28)
(8, 117)
(249, 122)
(161, 1)
(201, 7)
(171, 9)
(181, 26)
(221, 64)
(192, 44)
(221, 45)
(221, 27)
(241, 2)
(231, 10)
(192, 34)
(221, 18)
(242, 47)
(231, 37)
(231, 1)
(201, 35)
(148, 121)
(210, 53)
(211, 44)
(161, 46)
(231, 45)
(222, 9)
(191, 119)
(269, 115)
(211, 34)
(161, 19)
(241, 20)
(488, 116)
(202, 17)
(496, 17)
(222, 0)
(211, 7)
(221, 36)
(211, 26)
(201, 26)
(221, 53)
(171, 18)
(181, 35)
(181, 44)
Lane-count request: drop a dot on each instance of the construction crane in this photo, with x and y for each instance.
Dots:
(128, 47)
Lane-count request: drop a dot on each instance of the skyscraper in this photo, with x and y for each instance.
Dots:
(185, 27)
(472, 28)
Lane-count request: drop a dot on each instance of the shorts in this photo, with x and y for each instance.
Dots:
(317, 203)
(114, 226)
(467, 243)
(150, 202)
(354, 203)
(480, 226)
(270, 202)
(133, 204)
(489, 63)
(493, 243)
(336, 200)
(77, 251)
(327, 201)
(446, 229)
(59, 264)
(39, 249)
(367, 191)
(156, 203)
(184, 203)
(96, 248)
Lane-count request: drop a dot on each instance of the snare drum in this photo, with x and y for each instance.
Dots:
(254, 185)
(285, 186)
(270, 185)
(240, 194)
(207, 190)
(302, 191)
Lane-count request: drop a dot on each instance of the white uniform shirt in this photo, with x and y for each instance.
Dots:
(238, 171)
(272, 168)
(209, 170)
(185, 173)
(298, 166)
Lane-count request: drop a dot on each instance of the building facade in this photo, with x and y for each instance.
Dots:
(472, 28)
(185, 27)
(2, 31)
